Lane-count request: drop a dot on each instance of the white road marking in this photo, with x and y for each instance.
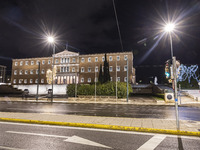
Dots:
(21, 109)
(73, 139)
(9, 148)
(38, 134)
(152, 143)
(93, 129)
(79, 140)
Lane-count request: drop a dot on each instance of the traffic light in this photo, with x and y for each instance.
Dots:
(167, 69)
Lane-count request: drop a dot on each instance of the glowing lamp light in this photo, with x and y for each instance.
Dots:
(50, 39)
(169, 27)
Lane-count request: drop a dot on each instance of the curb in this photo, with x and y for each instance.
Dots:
(111, 127)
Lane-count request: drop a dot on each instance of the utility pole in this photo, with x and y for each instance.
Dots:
(116, 79)
(38, 80)
(127, 80)
(95, 81)
(175, 92)
(52, 71)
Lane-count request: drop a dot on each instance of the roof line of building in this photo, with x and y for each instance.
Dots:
(74, 52)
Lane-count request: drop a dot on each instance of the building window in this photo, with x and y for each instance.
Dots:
(31, 80)
(73, 60)
(103, 58)
(20, 72)
(89, 80)
(61, 69)
(26, 71)
(82, 59)
(36, 80)
(37, 71)
(82, 69)
(32, 62)
(125, 57)
(26, 63)
(37, 62)
(118, 68)
(110, 78)
(82, 80)
(43, 62)
(67, 69)
(43, 71)
(14, 81)
(20, 81)
(25, 81)
(96, 59)
(89, 59)
(125, 79)
(110, 68)
(42, 80)
(118, 79)
(16, 63)
(31, 71)
(15, 72)
(110, 58)
(73, 69)
(118, 58)
(89, 69)
(49, 61)
(125, 68)
(96, 69)
(56, 61)
(67, 60)
(21, 63)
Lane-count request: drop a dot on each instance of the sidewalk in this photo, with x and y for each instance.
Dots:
(185, 100)
(116, 123)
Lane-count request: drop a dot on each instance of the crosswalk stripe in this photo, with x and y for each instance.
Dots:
(152, 143)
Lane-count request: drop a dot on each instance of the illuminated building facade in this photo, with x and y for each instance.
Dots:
(72, 68)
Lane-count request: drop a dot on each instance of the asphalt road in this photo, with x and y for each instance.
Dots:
(20, 136)
(111, 110)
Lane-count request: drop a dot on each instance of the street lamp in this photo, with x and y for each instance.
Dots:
(51, 40)
(169, 28)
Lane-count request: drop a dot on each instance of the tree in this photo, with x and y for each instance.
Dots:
(106, 76)
(49, 75)
(100, 75)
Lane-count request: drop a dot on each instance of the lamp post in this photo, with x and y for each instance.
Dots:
(169, 28)
(127, 81)
(51, 40)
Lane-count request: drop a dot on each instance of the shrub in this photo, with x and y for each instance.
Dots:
(106, 89)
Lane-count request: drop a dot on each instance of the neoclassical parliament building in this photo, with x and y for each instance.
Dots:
(72, 68)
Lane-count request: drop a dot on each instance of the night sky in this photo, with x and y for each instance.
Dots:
(89, 26)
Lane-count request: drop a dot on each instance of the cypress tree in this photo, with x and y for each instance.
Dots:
(100, 75)
(106, 76)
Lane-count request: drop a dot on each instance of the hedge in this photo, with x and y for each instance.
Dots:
(106, 89)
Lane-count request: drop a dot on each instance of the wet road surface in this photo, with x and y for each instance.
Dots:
(110, 110)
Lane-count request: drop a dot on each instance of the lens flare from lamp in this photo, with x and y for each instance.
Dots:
(169, 27)
(50, 39)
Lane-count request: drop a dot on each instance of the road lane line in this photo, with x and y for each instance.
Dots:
(152, 143)
(9, 148)
(38, 134)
